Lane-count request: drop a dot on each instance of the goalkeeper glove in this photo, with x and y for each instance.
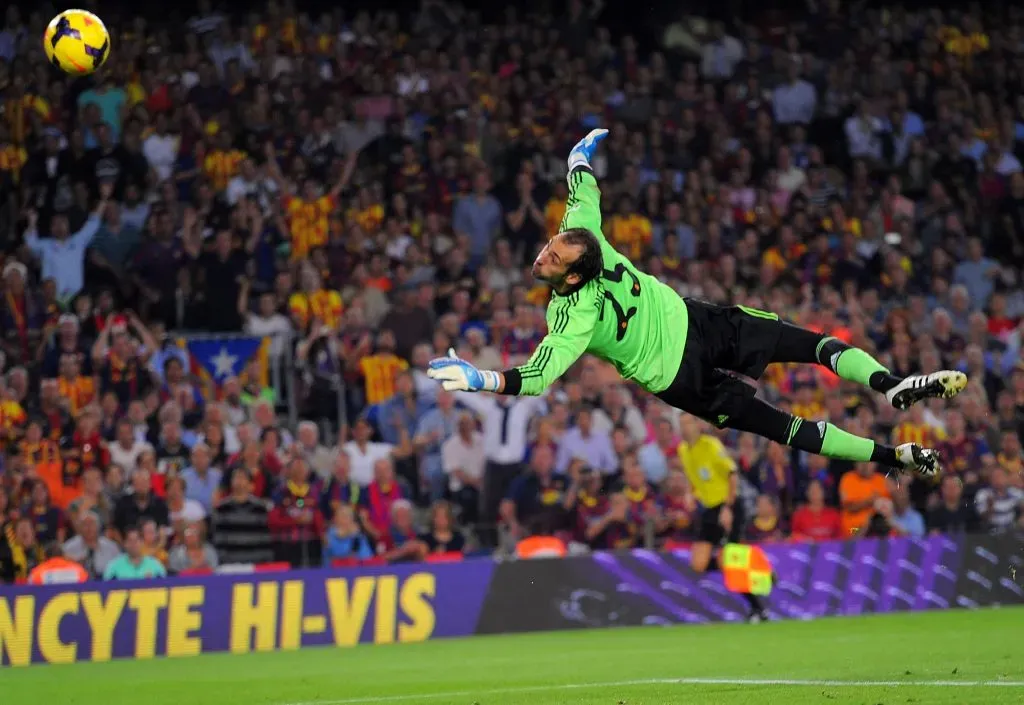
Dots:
(457, 375)
(584, 150)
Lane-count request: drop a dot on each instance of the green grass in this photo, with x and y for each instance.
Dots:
(907, 658)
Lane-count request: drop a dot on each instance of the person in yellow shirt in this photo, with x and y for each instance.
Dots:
(712, 474)
(629, 231)
(76, 390)
(369, 211)
(222, 164)
(554, 211)
(915, 429)
(309, 215)
(315, 303)
(380, 369)
(12, 156)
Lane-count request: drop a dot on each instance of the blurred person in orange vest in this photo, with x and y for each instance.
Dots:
(42, 456)
(859, 492)
(56, 569)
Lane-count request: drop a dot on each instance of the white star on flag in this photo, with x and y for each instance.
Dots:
(224, 363)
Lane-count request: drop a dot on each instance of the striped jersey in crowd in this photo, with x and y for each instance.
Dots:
(241, 533)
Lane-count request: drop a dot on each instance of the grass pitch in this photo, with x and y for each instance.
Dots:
(927, 658)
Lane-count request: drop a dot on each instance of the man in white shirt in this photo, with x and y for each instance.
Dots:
(720, 54)
(464, 457)
(790, 177)
(249, 182)
(586, 443)
(506, 423)
(794, 101)
(126, 449)
(863, 134)
(318, 458)
(364, 453)
(161, 148)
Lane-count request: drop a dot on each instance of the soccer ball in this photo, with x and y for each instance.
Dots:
(76, 41)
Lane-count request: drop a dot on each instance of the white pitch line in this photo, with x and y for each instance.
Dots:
(666, 681)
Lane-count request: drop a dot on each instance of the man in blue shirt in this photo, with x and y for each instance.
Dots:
(201, 480)
(436, 426)
(61, 256)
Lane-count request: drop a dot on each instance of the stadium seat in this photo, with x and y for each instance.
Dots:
(195, 571)
(344, 562)
(272, 567)
(376, 560)
(449, 557)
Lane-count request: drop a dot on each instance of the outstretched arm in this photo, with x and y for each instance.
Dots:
(583, 207)
(571, 321)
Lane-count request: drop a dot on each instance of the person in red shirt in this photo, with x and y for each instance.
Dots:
(296, 524)
(815, 521)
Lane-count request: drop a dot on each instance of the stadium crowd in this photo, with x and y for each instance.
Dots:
(371, 189)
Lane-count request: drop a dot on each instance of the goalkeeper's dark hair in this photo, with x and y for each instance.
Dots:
(588, 265)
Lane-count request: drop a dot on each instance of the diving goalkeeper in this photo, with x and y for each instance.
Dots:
(686, 352)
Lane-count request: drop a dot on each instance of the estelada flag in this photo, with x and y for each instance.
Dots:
(213, 360)
(746, 569)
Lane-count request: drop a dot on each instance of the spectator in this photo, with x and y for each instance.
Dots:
(999, 505)
(363, 453)
(241, 524)
(654, 456)
(535, 499)
(296, 524)
(134, 564)
(125, 449)
(478, 218)
(181, 509)
(89, 547)
(443, 535)
(617, 410)
(202, 480)
(381, 494)
(582, 441)
(318, 457)
(585, 500)
(432, 433)
(952, 515)
(140, 504)
(57, 570)
(464, 462)
(93, 499)
(345, 540)
(815, 521)
(193, 553)
(765, 526)
(48, 520)
(906, 520)
(400, 541)
(153, 542)
(859, 491)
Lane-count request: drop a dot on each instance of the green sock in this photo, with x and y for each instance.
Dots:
(837, 443)
(855, 365)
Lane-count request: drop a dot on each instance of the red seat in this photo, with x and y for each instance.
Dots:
(677, 545)
(449, 557)
(272, 567)
(344, 562)
(196, 571)
(376, 560)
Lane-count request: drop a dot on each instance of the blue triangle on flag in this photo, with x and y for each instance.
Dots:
(225, 357)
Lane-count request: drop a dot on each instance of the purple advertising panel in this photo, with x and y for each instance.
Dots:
(863, 576)
(240, 614)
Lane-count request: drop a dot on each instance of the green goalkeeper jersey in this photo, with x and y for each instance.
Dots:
(624, 316)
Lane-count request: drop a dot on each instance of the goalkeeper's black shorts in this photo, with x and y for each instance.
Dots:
(723, 345)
